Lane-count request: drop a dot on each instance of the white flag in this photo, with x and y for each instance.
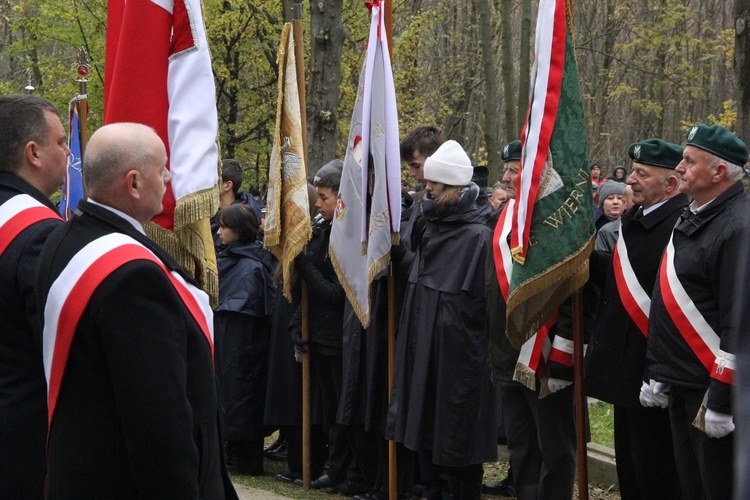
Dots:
(368, 213)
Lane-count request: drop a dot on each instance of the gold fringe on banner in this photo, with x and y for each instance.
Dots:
(201, 204)
(192, 248)
(565, 277)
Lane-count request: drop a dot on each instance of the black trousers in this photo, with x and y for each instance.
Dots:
(541, 441)
(704, 464)
(645, 459)
(329, 372)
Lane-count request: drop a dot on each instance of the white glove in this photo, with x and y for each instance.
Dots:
(651, 400)
(659, 387)
(718, 424)
(557, 384)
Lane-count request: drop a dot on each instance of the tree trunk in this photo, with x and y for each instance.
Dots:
(490, 91)
(742, 67)
(509, 74)
(524, 70)
(327, 33)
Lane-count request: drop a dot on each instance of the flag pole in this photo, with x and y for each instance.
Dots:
(580, 401)
(392, 465)
(581, 404)
(82, 100)
(299, 54)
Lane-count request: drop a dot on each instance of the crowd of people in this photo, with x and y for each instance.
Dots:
(118, 380)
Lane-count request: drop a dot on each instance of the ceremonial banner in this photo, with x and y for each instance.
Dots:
(368, 214)
(553, 224)
(72, 190)
(288, 227)
(158, 72)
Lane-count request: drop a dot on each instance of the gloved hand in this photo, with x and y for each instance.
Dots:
(557, 384)
(299, 344)
(718, 424)
(659, 387)
(651, 400)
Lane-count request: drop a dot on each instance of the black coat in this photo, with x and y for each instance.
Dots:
(707, 258)
(23, 388)
(242, 324)
(137, 413)
(617, 351)
(364, 393)
(326, 295)
(442, 398)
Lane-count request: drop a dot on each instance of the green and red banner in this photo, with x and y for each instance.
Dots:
(553, 223)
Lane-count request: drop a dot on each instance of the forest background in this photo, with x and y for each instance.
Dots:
(648, 68)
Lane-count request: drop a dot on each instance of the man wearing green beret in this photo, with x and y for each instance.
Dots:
(694, 304)
(617, 351)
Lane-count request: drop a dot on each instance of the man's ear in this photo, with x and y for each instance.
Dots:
(721, 172)
(132, 183)
(31, 153)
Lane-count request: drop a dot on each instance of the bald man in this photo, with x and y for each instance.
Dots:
(127, 341)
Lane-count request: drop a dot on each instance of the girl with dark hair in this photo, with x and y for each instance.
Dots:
(242, 322)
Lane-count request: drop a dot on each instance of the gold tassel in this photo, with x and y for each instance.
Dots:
(700, 419)
(525, 375)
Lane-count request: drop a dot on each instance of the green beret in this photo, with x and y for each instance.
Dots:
(718, 141)
(656, 152)
(511, 151)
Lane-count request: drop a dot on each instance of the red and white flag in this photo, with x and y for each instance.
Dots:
(362, 233)
(158, 73)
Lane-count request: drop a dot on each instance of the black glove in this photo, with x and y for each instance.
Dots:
(299, 344)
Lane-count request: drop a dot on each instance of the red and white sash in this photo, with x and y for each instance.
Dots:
(501, 249)
(18, 214)
(696, 331)
(632, 295)
(70, 294)
(535, 351)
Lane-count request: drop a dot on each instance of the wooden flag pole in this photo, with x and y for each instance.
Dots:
(82, 100)
(392, 465)
(299, 55)
(580, 401)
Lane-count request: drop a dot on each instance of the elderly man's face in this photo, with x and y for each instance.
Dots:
(155, 177)
(499, 195)
(510, 173)
(697, 176)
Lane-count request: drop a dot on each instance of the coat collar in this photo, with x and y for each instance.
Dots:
(674, 204)
(719, 204)
(120, 225)
(15, 183)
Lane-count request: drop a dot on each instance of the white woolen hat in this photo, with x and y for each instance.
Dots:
(449, 165)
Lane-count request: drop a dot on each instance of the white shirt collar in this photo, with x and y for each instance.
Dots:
(125, 216)
(650, 209)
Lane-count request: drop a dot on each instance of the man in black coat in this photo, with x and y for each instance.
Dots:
(617, 350)
(693, 309)
(127, 341)
(33, 157)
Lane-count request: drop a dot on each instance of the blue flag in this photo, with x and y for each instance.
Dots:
(72, 190)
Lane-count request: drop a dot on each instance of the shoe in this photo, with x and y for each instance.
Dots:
(287, 478)
(273, 446)
(348, 488)
(502, 488)
(323, 481)
(277, 455)
(366, 496)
